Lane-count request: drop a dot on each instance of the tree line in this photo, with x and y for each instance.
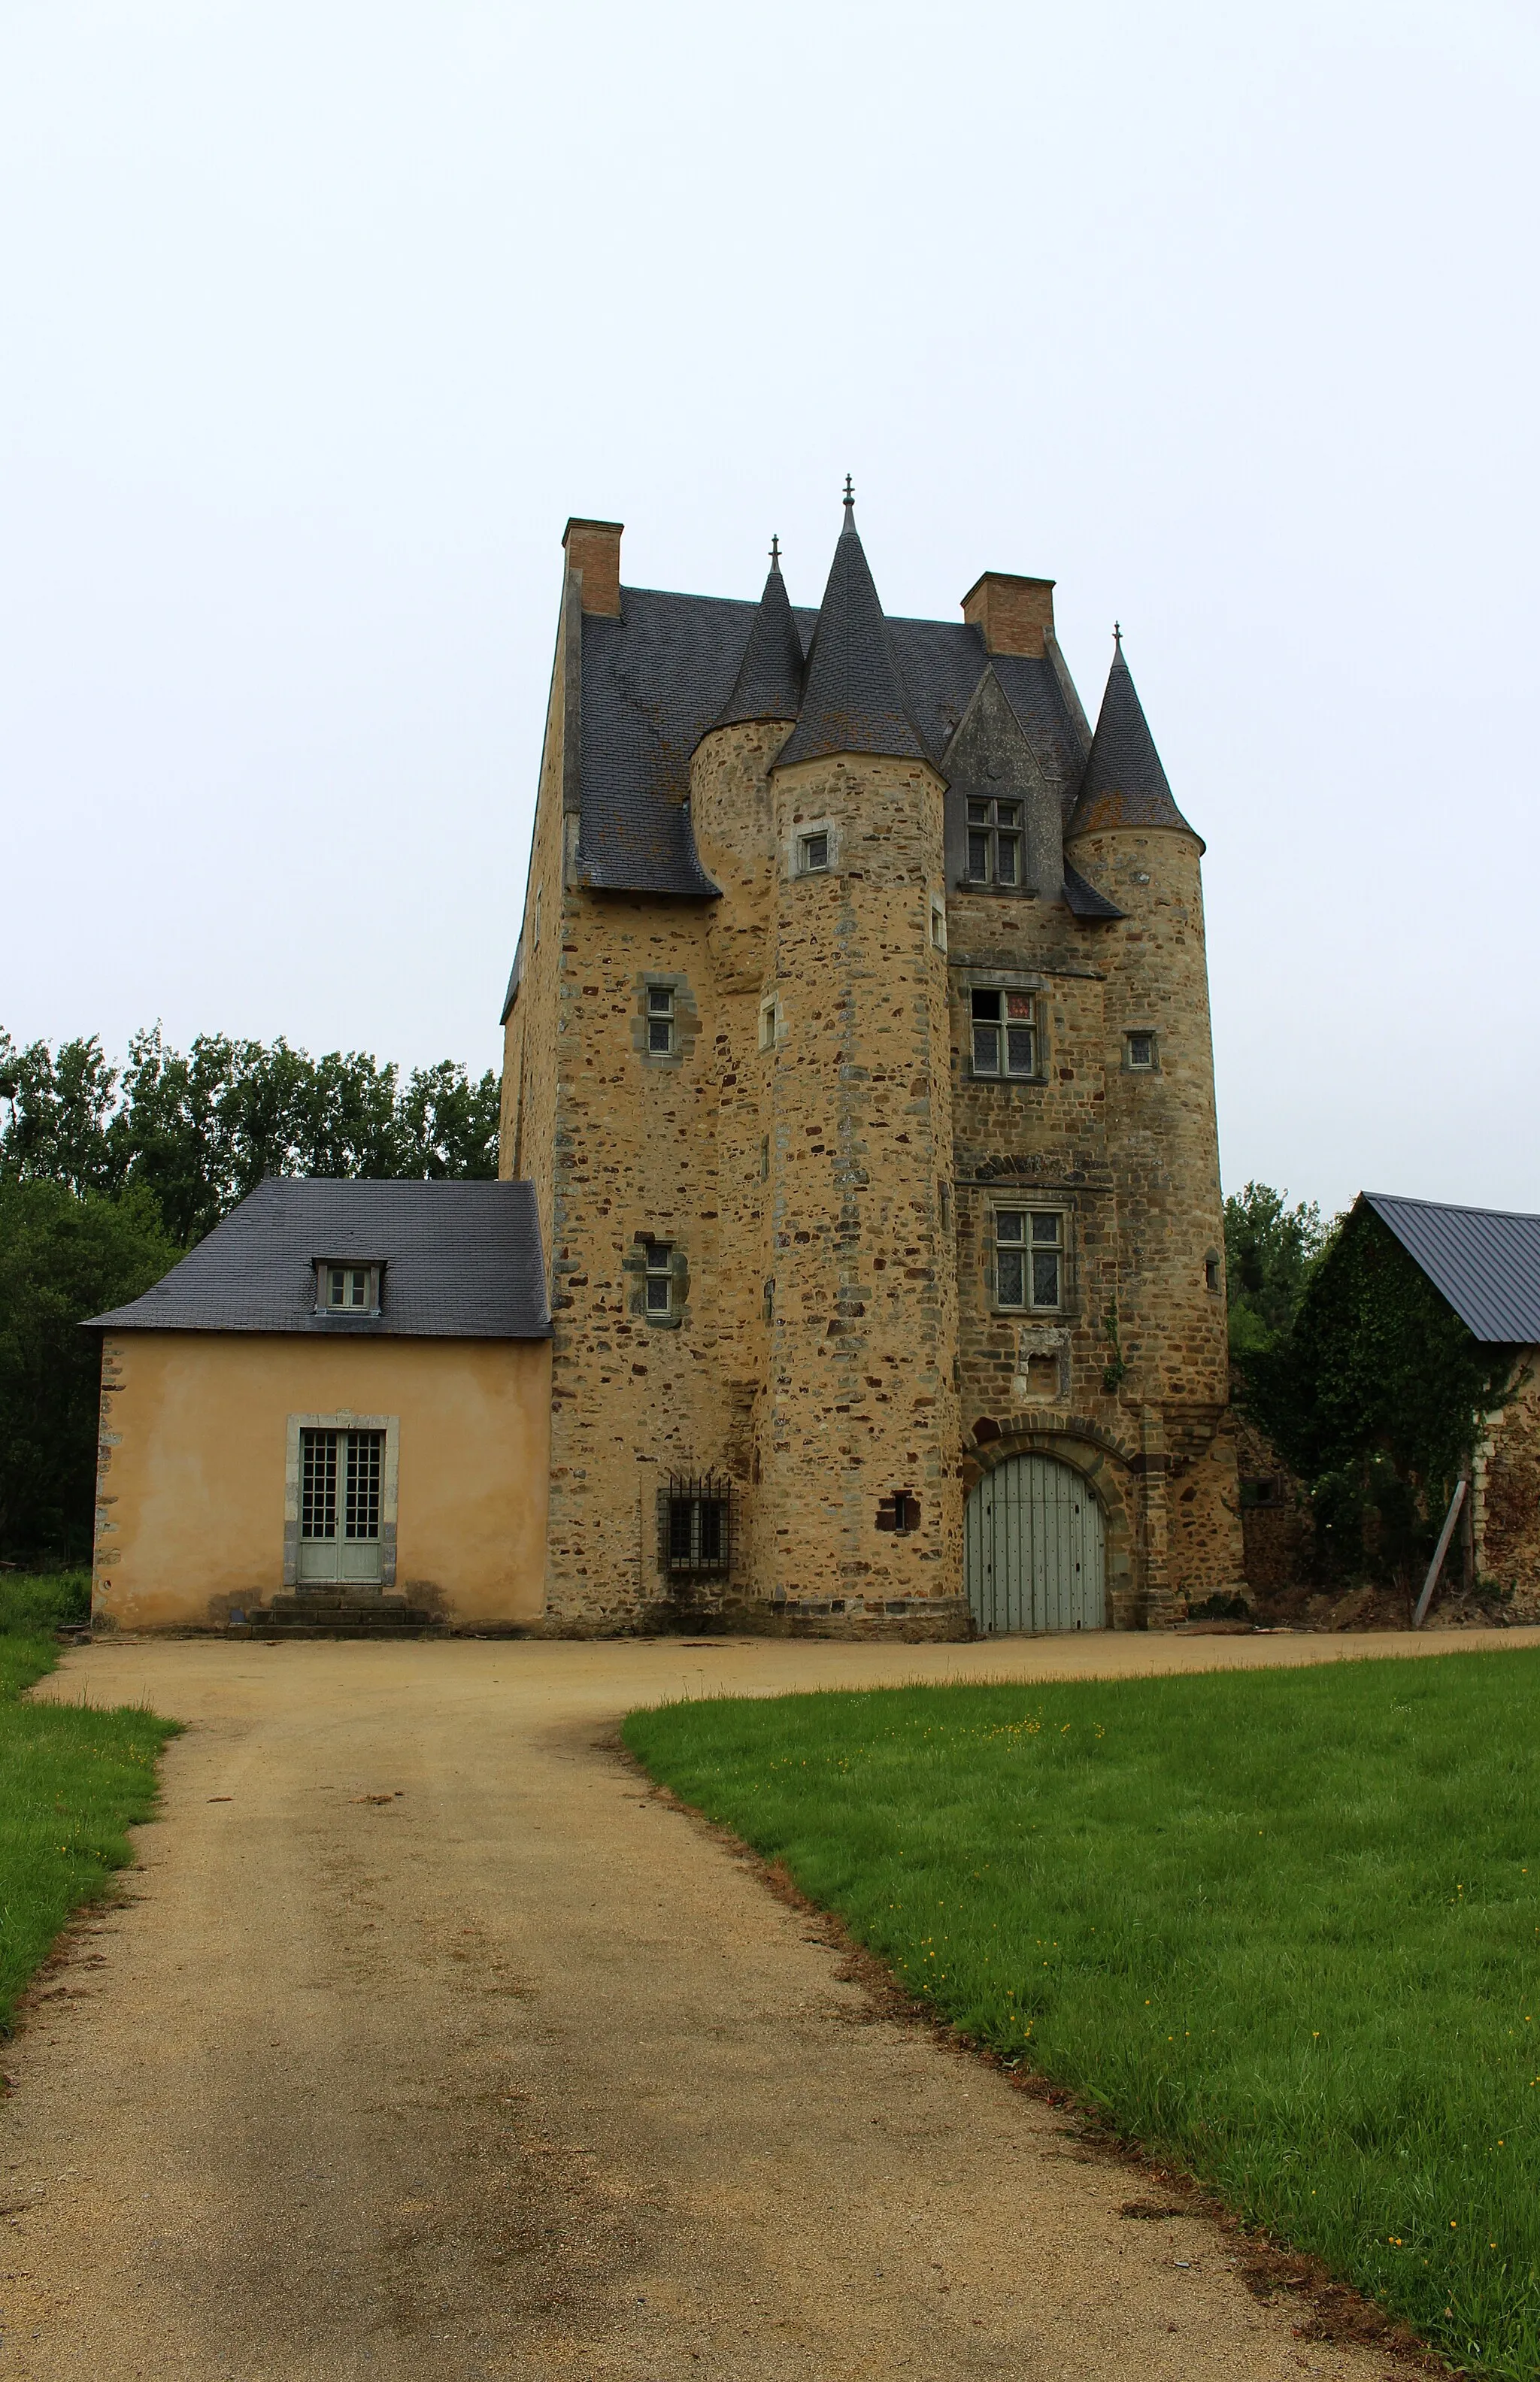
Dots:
(199, 1129)
(109, 1174)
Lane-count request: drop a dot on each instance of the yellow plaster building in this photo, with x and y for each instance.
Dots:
(335, 1411)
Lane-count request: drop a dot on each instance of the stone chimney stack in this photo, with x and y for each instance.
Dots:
(1013, 613)
(594, 550)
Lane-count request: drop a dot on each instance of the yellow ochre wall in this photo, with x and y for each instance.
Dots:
(190, 1475)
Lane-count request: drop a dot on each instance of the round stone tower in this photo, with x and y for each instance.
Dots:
(858, 1503)
(1126, 835)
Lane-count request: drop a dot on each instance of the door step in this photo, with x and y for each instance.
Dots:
(319, 1614)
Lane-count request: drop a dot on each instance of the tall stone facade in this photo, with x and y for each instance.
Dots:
(858, 1046)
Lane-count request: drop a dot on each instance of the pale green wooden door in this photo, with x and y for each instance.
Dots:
(339, 1507)
(1034, 1549)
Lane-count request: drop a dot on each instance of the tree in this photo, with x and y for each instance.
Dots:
(1270, 1251)
(199, 1129)
(64, 1254)
(60, 1104)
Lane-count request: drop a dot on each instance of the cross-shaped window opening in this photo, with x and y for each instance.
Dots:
(993, 843)
(1004, 1034)
(1028, 1257)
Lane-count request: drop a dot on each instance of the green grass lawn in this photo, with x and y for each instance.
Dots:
(72, 1780)
(1282, 1927)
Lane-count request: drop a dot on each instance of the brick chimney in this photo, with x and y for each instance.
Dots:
(1011, 613)
(594, 549)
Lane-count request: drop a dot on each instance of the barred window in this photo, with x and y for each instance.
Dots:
(1028, 1257)
(697, 1524)
(1004, 1033)
(659, 1278)
(994, 843)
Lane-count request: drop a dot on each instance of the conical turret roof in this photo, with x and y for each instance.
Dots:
(1123, 784)
(853, 698)
(768, 684)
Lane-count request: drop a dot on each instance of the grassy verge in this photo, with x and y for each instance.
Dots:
(72, 1781)
(1281, 1927)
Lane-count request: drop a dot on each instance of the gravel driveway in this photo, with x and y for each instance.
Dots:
(428, 2044)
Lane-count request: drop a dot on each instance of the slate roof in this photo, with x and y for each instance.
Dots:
(462, 1260)
(655, 680)
(855, 699)
(768, 684)
(1123, 784)
(1484, 1260)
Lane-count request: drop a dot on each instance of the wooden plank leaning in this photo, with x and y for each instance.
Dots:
(1440, 1551)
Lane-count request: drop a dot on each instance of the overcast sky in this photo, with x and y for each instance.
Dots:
(320, 319)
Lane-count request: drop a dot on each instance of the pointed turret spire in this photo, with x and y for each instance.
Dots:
(1123, 784)
(768, 684)
(853, 698)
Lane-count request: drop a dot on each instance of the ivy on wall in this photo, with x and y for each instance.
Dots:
(1374, 1398)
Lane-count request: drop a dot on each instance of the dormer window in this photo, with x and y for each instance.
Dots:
(345, 1287)
(994, 843)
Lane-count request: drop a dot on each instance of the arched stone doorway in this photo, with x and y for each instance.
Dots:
(1035, 1549)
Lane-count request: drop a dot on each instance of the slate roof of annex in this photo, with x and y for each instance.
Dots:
(462, 1260)
(654, 680)
(1485, 1262)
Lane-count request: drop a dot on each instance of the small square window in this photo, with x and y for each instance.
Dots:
(1142, 1051)
(659, 1012)
(659, 1278)
(815, 851)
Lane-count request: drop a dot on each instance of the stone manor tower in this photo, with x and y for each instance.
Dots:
(857, 1047)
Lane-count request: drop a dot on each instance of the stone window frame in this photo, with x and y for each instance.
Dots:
(802, 832)
(1132, 1066)
(970, 979)
(388, 1487)
(1062, 1249)
(938, 922)
(685, 1017)
(636, 1263)
(773, 1020)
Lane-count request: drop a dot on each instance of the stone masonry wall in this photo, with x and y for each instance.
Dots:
(825, 1169)
(863, 1401)
(1505, 1491)
(1162, 1125)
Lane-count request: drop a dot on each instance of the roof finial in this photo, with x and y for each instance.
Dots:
(775, 553)
(849, 498)
(1117, 638)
